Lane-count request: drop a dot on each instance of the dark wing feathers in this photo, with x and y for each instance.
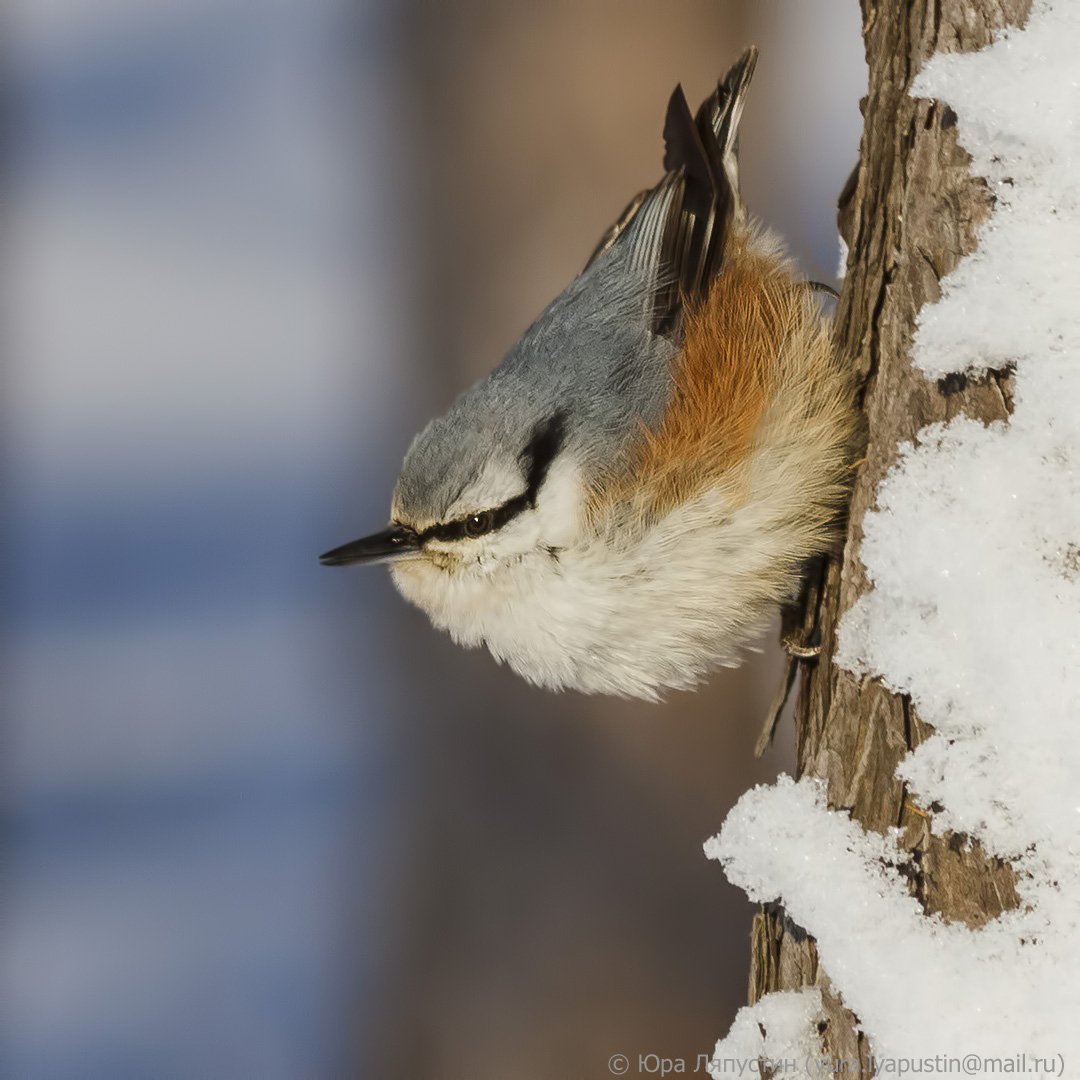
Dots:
(720, 113)
(687, 246)
(677, 230)
(616, 230)
(683, 148)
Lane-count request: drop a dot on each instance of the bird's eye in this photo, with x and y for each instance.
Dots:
(478, 524)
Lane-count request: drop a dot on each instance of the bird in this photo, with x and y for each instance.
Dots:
(623, 503)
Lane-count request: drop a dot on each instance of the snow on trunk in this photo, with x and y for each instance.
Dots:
(974, 556)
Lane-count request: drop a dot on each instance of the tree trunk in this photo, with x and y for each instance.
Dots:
(910, 212)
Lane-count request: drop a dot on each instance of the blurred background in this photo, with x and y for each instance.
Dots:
(260, 820)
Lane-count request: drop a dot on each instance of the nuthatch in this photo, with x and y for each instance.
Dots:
(622, 503)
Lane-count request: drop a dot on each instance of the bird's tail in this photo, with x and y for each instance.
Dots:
(702, 163)
(718, 119)
(676, 232)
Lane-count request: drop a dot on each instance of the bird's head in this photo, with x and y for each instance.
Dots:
(483, 489)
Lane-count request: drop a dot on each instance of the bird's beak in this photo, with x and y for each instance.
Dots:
(385, 546)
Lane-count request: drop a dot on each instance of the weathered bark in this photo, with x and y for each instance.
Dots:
(909, 214)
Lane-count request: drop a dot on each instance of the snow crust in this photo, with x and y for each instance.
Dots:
(780, 1030)
(974, 556)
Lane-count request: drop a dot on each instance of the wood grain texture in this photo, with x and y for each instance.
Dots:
(909, 214)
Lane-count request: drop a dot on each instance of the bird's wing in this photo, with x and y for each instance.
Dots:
(676, 232)
(617, 228)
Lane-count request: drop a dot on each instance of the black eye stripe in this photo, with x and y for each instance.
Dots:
(459, 529)
(541, 451)
(479, 524)
(546, 442)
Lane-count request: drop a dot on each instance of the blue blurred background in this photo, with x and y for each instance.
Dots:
(260, 819)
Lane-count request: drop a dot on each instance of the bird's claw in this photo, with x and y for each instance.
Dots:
(800, 651)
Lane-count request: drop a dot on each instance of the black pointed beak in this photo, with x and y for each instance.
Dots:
(383, 546)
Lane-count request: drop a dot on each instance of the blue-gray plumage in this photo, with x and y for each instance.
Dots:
(590, 357)
(622, 502)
